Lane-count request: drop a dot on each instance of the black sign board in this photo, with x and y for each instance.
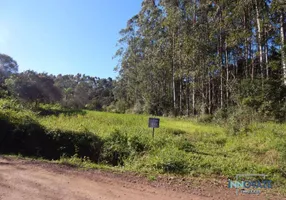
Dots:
(154, 122)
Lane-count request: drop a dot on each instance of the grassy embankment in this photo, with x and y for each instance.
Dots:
(180, 146)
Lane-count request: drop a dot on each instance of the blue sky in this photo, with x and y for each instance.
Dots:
(64, 36)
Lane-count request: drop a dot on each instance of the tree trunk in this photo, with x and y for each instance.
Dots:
(188, 99)
(210, 95)
(181, 97)
(221, 64)
(181, 84)
(203, 97)
(227, 74)
(173, 74)
(252, 57)
(194, 98)
(266, 61)
(259, 38)
(246, 47)
(283, 53)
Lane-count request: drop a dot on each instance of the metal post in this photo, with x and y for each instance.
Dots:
(153, 133)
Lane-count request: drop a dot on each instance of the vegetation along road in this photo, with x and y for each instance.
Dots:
(212, 73)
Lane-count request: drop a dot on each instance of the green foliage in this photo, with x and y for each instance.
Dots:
(268, 100)
(8, 66)
(181, 146)
(239, 121)
(205, 118)
(221, 115)
(170, 160)
(115, 148)
(139, 144)
(21, 133)
(185, 145)
(121, 106)
(3, 92)
(152, 178)
(31, 87)
(73, 92)
(111, 108)
(183, 57)
(138, 108)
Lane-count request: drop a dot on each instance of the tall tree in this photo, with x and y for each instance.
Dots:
(8, 66)
(184, 55)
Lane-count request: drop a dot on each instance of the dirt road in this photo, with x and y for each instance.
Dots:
(20, 179)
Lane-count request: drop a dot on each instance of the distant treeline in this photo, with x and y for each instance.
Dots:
(71, 91)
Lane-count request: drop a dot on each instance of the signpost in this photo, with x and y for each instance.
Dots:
(154, 123)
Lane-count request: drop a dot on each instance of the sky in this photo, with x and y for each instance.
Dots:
(64, 36)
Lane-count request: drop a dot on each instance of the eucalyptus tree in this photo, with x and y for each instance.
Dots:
(183, 55)
(8, 66)
(279, 9)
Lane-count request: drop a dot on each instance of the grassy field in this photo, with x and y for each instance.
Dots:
(201, 148)
(180, 146)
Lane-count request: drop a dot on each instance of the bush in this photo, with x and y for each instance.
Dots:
(94, 105)
(121, 106)
(205, 118)
(185, 145)
(115, 149)
(110, 108)
(27, 137)
(138, 108)
(3, 92)
(268, 100)
(240, 120)
(221, 115)
(139, 144)
(171, 160)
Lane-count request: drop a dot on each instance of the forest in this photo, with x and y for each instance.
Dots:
(70, 91)
(191, 57)
(179, 58)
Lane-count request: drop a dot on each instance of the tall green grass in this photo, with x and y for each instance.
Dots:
(181, 146)
(213, 150)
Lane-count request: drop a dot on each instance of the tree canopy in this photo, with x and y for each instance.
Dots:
(196, 57)
(8, 66)
(179, 57)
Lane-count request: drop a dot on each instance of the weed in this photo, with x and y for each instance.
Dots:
(180, 146)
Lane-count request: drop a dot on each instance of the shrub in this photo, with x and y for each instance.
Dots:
(171, 160)
(121, 106)
(221, 115)
(110, 108)
(185, 145)
(115, 148)
(268, 100)
(138, 108)
(239, 120)
(27, 137)
(139, 144)
(205, 118)
(3, 92)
